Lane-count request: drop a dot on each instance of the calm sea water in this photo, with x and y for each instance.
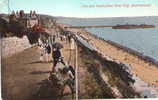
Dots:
(142, 40)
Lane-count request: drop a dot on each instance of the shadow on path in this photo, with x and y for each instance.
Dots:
(40, 62)
(39, 72)
(49, 89)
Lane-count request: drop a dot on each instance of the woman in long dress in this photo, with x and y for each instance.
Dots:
(41, 49)
(72, 45)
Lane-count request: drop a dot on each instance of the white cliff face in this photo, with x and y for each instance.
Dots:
(14, 45)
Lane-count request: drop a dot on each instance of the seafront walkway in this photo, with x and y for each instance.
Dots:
(22, 73)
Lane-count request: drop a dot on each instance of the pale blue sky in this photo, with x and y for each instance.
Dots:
(73, 8)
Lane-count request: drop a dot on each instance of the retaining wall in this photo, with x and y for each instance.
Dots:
(12, 45)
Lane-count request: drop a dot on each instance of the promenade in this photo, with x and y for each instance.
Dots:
(22, 73)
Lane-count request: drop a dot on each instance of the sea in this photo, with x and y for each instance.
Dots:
(142, 40)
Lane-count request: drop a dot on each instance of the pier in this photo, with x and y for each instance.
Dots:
(126, 26)
(88, 26)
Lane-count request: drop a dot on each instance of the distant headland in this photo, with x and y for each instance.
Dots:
(128, 26)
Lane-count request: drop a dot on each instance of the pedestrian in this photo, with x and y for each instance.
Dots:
(41, 48)
(64, 37)
(30, 15)
(47, 51)
(69, 38)
(17, 14)
(54, 38)
(56, 58)
(50, 41)
(66, 75)
(61, 37)
(72, 46)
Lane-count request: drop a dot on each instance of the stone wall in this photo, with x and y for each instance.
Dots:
(14, 45)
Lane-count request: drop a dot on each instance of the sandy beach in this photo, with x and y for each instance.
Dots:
(144, 70)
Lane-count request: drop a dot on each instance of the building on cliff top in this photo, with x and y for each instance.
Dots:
(28, 20)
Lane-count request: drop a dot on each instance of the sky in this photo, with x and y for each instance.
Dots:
(84, 8)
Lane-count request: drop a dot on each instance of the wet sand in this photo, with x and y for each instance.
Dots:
(144, 70)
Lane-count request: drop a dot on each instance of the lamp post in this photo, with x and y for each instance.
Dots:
(76, 71)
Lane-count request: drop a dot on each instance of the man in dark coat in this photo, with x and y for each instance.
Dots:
(57, 57)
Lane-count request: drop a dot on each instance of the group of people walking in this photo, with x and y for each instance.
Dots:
(50, 49)
(45, 50)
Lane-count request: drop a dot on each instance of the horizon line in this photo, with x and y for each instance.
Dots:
(89, 17)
